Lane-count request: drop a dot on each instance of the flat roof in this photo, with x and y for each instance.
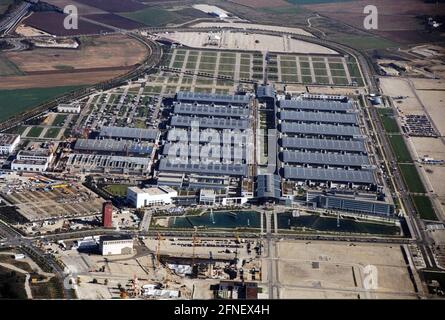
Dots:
(322, 129)
(215, 123)
(323, 144)
(209, 97)
(129, 133)
(208, 110)
(325, 158)
(115, 237)
(110, 145)
(212, 168)
(333, 175)
(316, 105)
(199, 151)
(325, 117)
(7, 139)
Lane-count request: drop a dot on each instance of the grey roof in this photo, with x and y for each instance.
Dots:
(316, 105)
(209, 110)
(349, 118)
(212, 168)
(216, 123)
(333, 175)
(208, 97)
(129, 133)
(200, 151)
(95, 160)
(334, 159)
(207, 136)
(268, 186)
(323, 129)
(110, 145)
(323, 144)
(267, 91)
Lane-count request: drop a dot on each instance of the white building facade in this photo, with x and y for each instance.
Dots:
(160, 195)
(68, 108)
(32, 161)
(116, 245)
(8, 142)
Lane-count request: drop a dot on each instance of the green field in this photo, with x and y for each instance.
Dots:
(153, 17)
(52, 133)
(16, 101)
(412, 178)
(424, 207)
(118, 190)
(59, 120)
(365, 43)
(388, 121)
(34, 132)
(8, 68)
(399, 147)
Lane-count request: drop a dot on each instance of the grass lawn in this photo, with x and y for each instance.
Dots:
(388, 121)
(399, 147)
(52, 133)
(118, 190)
(34, 132)
(412, 178)
(13, 102)
(424, 207)
(59, 120)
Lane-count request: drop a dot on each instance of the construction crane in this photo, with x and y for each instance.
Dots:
(158, 249)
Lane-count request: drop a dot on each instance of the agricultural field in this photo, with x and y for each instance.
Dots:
(24, 99)
(115, 21)
(399, 20)
(115, 5)
(52, 22)
(4, 4)
(263, 3)
(158, 16)
(8, 68)
(113, 51)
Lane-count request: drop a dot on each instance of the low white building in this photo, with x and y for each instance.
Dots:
(8, 142)
(159, 195)
(68, 108)
(32, 160)
(116, 245)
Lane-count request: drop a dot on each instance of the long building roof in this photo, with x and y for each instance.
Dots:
(129, 133)
(110, 145)
(305, 116)
(323, 144)
(325, 158)
(333, 175)
(208, 97)
(322, 129)
(212, 168)
(209, 110)
(199, 151)
(316, 105)
(216, 123)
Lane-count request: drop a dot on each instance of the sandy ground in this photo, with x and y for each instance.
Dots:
(241, 41)
(334, 90)
(253, 26)
(431, 147)
(432, 84)
(30, 31)
(434, 102)
(341, 270)
(95, 52)
(396, 87)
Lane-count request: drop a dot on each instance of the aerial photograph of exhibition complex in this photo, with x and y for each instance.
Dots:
(230, 149)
